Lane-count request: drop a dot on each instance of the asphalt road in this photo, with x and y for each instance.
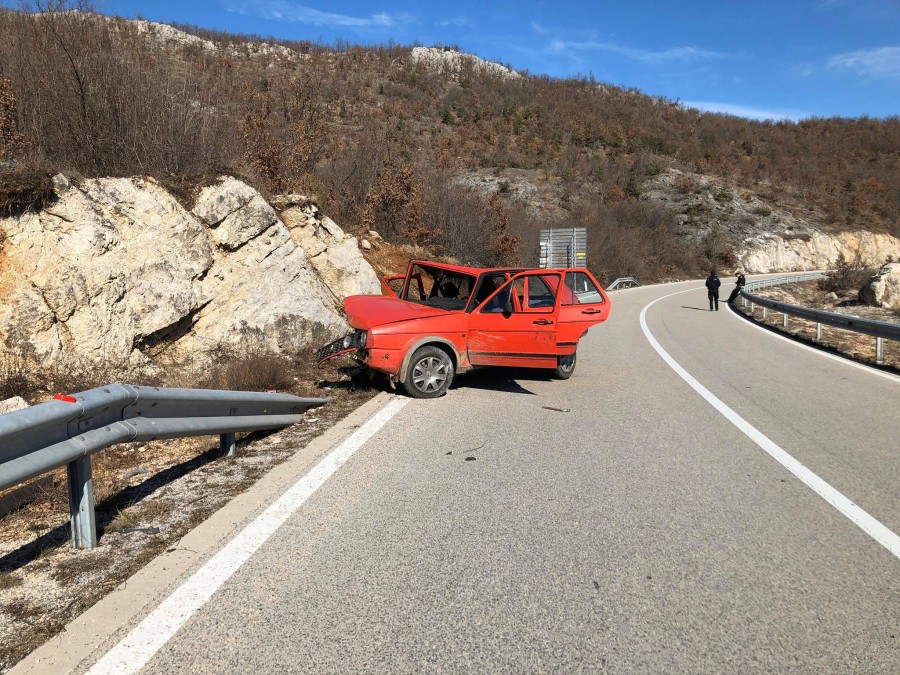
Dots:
(640, 531)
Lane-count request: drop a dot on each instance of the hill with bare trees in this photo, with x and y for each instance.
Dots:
(427, 146)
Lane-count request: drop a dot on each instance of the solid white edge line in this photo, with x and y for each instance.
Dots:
(136, 649)
(863, 520)
(840, 359)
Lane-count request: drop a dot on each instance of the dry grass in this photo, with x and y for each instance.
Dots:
(848, 343)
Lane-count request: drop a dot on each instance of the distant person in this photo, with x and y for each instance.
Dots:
(712, 288)
(738, 285)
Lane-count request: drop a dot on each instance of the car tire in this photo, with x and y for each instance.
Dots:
(429, 374)
(565, 367)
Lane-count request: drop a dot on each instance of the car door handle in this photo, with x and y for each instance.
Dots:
(591, 311)
(542, 322)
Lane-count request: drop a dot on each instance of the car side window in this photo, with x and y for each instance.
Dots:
(581, 290)
(497, 304)
(541, 296)
(532, 293)
(487, 287)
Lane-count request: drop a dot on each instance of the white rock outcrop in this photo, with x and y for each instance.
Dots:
(815, 250)
(883, 290)
(334, 254)
(117, 269)
(451, 63)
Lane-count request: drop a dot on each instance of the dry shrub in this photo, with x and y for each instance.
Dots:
(848, 275)
(255, 370)
(24, 190)
(16, 378)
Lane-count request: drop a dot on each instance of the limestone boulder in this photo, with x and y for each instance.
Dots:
(336, 256)
(883, 290)
(110, 263)
(235, 211)
(116, 270)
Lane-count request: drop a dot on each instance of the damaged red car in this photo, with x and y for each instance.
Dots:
(439, 320)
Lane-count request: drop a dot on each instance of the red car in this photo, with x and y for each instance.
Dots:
(438, 320)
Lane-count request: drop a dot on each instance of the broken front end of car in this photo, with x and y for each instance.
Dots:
(353, 344)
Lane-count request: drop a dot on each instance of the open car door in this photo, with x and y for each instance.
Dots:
(392, 285)
(517, 324)
(583, 303)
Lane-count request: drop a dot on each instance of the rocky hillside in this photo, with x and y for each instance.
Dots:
(434, 147)
(117, 269)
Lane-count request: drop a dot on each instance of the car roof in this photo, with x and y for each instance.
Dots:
(475, 271)
(463, 269)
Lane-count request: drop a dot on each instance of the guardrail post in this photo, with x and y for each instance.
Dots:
(81, 503)
(818, 332)
(228, 444)
(879, 350)
(785, 322)
(765, 313)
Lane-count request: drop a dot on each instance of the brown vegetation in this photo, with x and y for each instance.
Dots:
(383, 141)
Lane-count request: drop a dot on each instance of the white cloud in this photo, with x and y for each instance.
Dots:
(681, 54)
(459, 22)
(286, 10)
(744, 111)
(882, 62)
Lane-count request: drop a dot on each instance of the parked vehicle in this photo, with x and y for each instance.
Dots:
(438, 320)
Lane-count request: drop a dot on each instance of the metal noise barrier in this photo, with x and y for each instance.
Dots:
(68, 429)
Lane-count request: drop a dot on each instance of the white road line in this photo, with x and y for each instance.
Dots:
(839, 359)
(137, 648)
(863, 520)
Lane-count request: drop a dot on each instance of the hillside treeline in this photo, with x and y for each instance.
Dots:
(382, 141)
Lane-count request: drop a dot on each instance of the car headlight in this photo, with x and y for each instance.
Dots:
(348, 341)
(363, 337)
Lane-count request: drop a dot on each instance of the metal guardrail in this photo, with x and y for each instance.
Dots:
(880, 330)
(69, 429)
(625, 282)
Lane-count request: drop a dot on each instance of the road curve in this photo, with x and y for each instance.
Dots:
(641, 530)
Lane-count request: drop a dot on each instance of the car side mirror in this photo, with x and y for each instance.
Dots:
(508, 308)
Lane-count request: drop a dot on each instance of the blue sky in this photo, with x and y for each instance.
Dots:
(757, 58)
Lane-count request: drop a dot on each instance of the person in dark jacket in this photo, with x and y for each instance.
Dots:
(738, 285)
(712, 288)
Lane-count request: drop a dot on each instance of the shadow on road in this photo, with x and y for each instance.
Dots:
(699, 309)
(501, 379)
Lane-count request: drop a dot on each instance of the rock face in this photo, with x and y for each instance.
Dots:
(772, 239)
(815, 251)
(335, 255)
(451, 63)
(883, 290)
(117, 270)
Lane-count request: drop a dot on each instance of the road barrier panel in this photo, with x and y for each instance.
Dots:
(880, 330)
(69, 429)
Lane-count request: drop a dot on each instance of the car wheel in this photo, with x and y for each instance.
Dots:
(565, 367)
(430, 373)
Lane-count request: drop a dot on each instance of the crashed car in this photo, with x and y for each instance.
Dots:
(439, 320)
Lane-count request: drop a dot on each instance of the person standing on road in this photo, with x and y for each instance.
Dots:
(712, 288)
(738, 285)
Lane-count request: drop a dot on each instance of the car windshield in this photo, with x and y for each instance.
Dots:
(438, 287)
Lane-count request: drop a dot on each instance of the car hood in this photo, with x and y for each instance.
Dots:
(368, 311)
